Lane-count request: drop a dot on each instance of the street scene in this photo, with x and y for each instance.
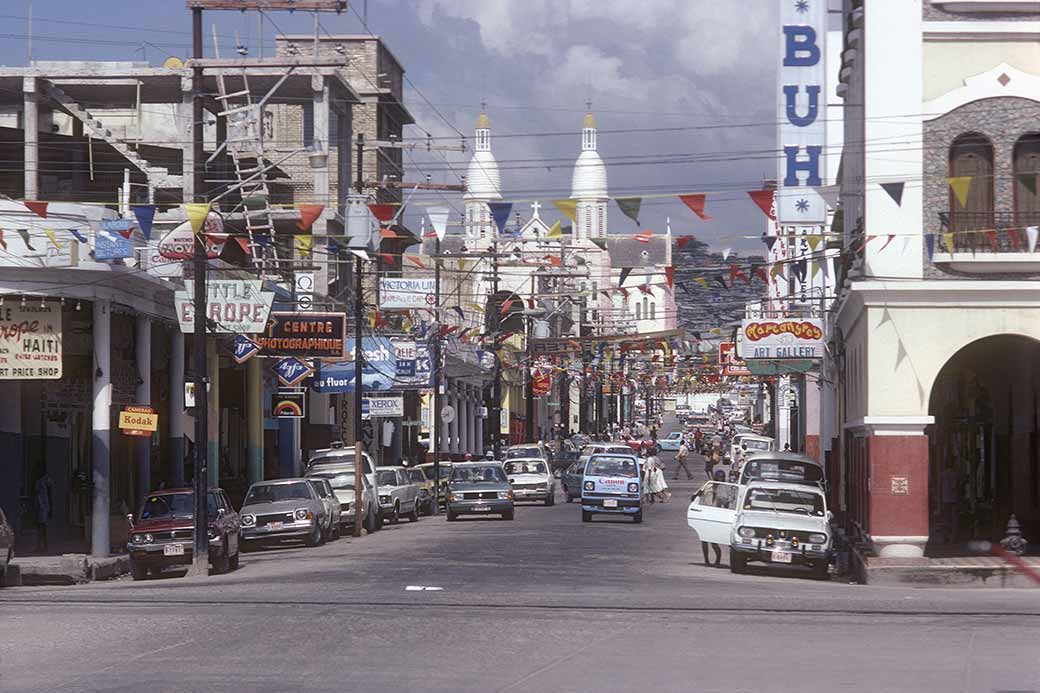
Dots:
(466, 346)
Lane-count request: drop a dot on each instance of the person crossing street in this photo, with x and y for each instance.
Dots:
(680, 462)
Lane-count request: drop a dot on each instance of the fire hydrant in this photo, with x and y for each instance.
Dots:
(1014, 541)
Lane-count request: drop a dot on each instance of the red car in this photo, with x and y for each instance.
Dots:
(163, 533)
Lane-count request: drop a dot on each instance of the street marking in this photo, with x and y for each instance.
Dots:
(422, 588)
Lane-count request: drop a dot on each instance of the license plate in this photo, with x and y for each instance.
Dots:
(610, 503)
(173, 550)
(274, 525)
(481, 508)
(780, 557)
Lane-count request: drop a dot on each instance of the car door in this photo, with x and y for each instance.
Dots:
(410, 489)
(713, 510)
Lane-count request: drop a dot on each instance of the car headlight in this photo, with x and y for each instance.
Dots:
(141, 539)
(817, 538)
(248, 520)
(589, 485)
(505, 495)
(633, 488)
(303, 514)
(746, 532)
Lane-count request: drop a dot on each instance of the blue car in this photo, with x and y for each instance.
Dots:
(612, 484)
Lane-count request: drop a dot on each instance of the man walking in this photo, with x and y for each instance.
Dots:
(680, 461)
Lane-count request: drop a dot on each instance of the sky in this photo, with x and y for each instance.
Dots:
(683, 90)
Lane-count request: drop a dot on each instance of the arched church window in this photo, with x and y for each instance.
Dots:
(1027, 174)
(653, 311)
(971, 156)
(639, 311)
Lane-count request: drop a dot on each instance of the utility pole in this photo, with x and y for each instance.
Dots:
(438, 375)
(200, 549)
(359, 312)
(496, 386)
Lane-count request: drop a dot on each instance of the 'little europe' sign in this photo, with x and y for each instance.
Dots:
(802, 112)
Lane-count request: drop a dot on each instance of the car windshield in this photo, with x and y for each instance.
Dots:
(526, 467)
(514, 453)
(167, 505)
(478, 475)
(756, 444)
(416, 475)
(387, 477)
(339, 480)
(784, 500)
(272, 493)
(782, 470)
(612, 466)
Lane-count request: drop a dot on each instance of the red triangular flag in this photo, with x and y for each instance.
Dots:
(888, 240)
(40, 208)
(696, 205)
(681, 241)
(644, 236)
(387, 258)
(243, 243)
(734, 272)
(992, 236)
(1014, 237)
(553, 260)
(764, 200)
(126, 233)
(669, 274)
(387, 233)
(308, 215)
(415, 261)
(383, 212)
(506, 305)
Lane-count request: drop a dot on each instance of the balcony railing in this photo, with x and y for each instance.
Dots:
(987, 232)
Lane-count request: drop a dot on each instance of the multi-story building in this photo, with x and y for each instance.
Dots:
(938, 323)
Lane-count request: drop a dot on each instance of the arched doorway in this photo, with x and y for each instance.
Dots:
(984, 450)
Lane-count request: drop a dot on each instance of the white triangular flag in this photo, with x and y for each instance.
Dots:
(830, 194)
(905, 240)
(439, 220)
(1031, 233)
(360, 253)
(726, 252)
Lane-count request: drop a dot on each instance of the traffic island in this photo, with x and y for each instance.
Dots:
(67, 569)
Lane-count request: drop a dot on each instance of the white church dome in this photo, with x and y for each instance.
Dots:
(483, 181)
(590, 176)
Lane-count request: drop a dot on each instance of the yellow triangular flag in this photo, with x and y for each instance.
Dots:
(304, 245)
(814, 267)
(775, 270)
(556, 231)
(948, 240)
(961, 185)
(813, 240)
(702, 281)
(716, 330)
(50, 235)
(568, 208)
(197, 212)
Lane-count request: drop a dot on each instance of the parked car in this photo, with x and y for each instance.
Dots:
(531, 480)
(330, 530)
(571, 480)
(426, 486)
(282, 509)
(479, 488)
(398, 495)
(6, 546)
(162, 533)
(774, 522)
(341, 455)
(445, 472)
(783, 466)
(672, 441)
(341, 478)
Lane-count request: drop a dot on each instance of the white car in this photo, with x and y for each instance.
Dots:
(773, 522)
(672, 441)
(531, 480)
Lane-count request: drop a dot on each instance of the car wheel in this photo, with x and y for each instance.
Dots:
(820, 570)
(638, 517)
(414, 515)
(314, 538)
(508, 515)
(370, 522)
(138, 572)
(222, 563)
(737, 562)
(586, 516)
(396, 516)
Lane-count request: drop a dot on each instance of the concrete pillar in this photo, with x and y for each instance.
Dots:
(142, 445)
(101, 418)
(31, 128)
(321, 174)
(186, 126)
(478, 442)
(254, 421)
(213, 402)
(176, 442)
(453, 428)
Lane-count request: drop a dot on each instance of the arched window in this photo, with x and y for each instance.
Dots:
(1027, 173)
(639, 311)
(653, 311)
(971, 156)
(646, 306)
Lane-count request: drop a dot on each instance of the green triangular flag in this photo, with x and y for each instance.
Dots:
(629, 206)
(1028, 181)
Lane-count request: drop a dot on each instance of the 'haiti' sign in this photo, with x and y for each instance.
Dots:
(792, 338)
(802, 112)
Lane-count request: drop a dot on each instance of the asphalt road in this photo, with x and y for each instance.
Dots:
(543, 603)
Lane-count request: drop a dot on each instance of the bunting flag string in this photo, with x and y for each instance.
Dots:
(682, 241)
(764, 200)
(3, 242)
(625, 271)
(53, 238)
(197, 213)
(644, 236)
(308, 215)
(929, 241)
(1032, 232)
(895, 191)
(555, 231)
(79, 237)
(438, 217)
(303, 245)
(948, 240)
(38, 208)
(669, 274)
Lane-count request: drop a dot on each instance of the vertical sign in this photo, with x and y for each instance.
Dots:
(802, 112)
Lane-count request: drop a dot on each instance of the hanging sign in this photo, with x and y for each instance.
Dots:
(244, 349)
(30, 341)
(292, 371)
(289, 405)
(179, 244)
(138, 421)
(541, 381)
(802, 112)
(386, 367)
(234, 306)
(406, 293)
(306, 335)
(730, 362)
(386, 407)
(791, 338)
(109, 244)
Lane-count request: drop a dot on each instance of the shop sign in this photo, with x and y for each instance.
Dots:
(306, 335)
(151, 260)
(401, 293)
(110, 244)
(802, 113)
(289, 405)
(292, 371)
(30, 341)
(386, 407)
(381, 370)
(730, 362)
(235, 306)
(138, 421)
(179, 244)
(503, 421)
(541, 381)
(793, 338)
(244, 349)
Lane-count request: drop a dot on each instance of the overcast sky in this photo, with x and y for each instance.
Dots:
(691, 81)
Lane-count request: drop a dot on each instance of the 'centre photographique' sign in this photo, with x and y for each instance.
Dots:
(304, 335)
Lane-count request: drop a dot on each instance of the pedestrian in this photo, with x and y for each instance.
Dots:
(680, 461)
(718, 553)
(698, 440)
(43, 507)
(656, 484)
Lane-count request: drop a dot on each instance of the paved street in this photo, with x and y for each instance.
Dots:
(542, 603)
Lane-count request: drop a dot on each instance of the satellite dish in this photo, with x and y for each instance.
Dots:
(173, 63)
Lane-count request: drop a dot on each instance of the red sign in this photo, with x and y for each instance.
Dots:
(541, 382)
(730, 362)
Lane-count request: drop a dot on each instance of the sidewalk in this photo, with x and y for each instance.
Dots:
(960, 571)
(66, 569)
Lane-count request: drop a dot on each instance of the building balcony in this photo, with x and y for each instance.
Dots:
(990, 242)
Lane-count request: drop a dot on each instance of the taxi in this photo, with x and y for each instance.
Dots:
(611, 484)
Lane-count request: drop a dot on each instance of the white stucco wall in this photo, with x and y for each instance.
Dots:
(948, 64)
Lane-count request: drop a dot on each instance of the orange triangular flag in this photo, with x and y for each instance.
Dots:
(387, 233)
(308, 215)
(40, 208)
(415, 261)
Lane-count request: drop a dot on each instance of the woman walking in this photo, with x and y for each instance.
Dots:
(656, 485)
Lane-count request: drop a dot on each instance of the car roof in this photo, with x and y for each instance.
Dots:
(481, 463)
(780, 455)
(525, 459)
(280, 482)
(389, 466)
(789, 485)
(182, 489)
(753, 436)
(615, 454)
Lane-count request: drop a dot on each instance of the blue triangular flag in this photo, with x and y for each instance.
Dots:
(500, 213)
(79, 237)
(333, 248)
(145, 216)
(929, 240)
(262, 239)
